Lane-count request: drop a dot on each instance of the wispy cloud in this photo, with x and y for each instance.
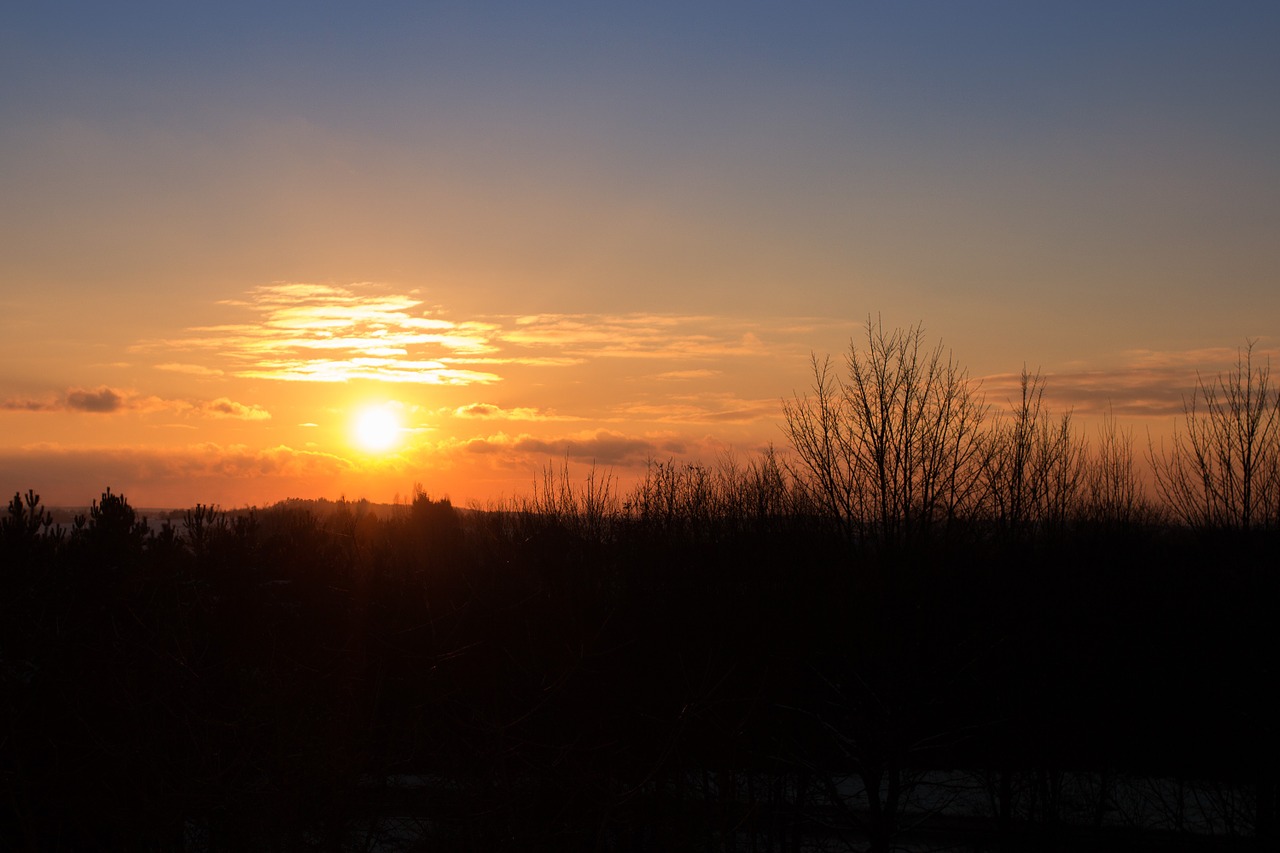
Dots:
(191, 369)
(606, 447)
(26, 404)
(704, 408)
(321, 333)
(488, 411)
(1149, 383)
(523, 360)
(648, 336)
(324, 333)
(1203, 359)
(686, 375)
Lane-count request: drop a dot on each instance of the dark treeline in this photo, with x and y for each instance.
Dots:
(925, 626)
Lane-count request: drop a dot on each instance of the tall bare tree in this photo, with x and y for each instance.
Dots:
(1222, 471)
(894, 447)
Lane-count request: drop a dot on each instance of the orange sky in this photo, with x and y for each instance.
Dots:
(599, 234)
(265, 402)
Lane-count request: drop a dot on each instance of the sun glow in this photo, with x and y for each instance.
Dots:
(377, 429)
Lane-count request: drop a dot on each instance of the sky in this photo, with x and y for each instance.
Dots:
(529, 233)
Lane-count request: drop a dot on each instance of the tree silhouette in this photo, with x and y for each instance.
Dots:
(895, 446)
(1035, 466)
(1223, 470)
(1114, 495)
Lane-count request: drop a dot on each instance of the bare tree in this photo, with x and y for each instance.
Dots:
(895, 447)
(1113, 492)
(1223, 470)
(1035, 467)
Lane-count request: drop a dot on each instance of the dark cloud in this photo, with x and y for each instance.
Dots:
(104, 400)
(606, 447)
(29, 406)
(109, 401)
(603, 446)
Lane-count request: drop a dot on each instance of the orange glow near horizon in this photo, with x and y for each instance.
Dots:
(302, 396)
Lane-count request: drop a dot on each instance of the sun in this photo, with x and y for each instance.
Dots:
(377, 429)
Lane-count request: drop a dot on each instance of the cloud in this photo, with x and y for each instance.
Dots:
(301, 332)
(639, 336)
(603, 446)
(104, 400)
(705, 408)
(1151, 383)
(526, 361)
(1205, 358)
(110, 401)
(321, 333)
(375, 369)
(26, 405)
(478, 410)
(684, 375)
(225, 408)
(192, 369)
(490, 411)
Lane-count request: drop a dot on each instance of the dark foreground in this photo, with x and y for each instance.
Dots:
(432, 679)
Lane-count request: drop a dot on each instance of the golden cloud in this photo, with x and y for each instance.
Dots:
(321, 333)
(303, 332)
